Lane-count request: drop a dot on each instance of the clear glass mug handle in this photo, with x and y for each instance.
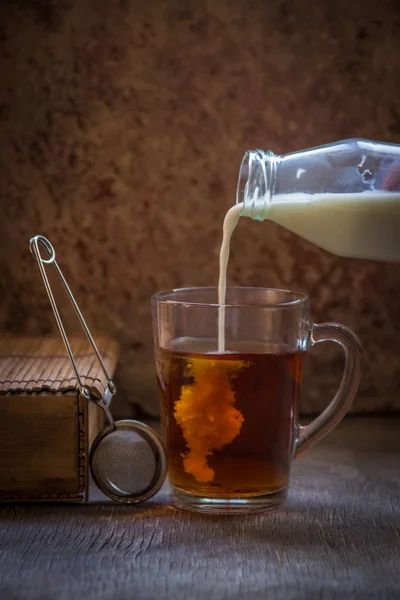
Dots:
(335, 411)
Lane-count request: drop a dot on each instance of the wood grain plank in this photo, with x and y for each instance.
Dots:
(337, 537)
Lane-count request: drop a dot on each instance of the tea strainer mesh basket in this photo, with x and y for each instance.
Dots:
(128, 461)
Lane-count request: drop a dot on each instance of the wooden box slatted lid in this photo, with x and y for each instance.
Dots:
(35, 364)
(45, 428)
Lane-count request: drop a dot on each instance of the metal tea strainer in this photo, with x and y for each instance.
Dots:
(127, 459)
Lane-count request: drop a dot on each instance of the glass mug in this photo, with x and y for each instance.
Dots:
(230, 420)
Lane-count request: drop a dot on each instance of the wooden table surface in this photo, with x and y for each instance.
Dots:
(337, 536)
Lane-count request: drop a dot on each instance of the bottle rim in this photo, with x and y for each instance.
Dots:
(256, 183)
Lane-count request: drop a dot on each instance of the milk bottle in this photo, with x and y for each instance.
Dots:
(343, 197)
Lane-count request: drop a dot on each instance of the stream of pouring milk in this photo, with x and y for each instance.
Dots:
(230, 222)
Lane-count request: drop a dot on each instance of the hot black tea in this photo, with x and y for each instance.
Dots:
(229, 418)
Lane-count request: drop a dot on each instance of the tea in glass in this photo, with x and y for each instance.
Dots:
(230, 419)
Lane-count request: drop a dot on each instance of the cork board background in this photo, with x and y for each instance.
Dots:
(123, 124)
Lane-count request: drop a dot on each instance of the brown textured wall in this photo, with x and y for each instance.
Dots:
(122, 129)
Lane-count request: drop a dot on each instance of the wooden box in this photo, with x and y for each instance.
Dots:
(45, 428)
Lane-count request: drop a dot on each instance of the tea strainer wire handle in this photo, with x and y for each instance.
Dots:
(127, 459)
(104, 402)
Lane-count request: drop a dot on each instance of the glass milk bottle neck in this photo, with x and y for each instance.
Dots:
(256, 183)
